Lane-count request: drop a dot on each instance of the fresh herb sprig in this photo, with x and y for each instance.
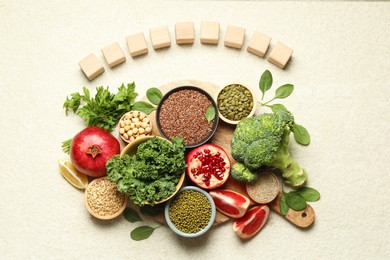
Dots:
(105, 109)
(210, 114)
(301, 135)
(141, 232)
(297, 200)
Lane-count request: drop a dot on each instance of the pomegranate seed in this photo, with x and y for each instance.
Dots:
(206, 151)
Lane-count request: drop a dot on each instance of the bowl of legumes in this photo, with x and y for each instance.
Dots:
(134, 124)
(188, 112)
(235, 102)
(191, 212)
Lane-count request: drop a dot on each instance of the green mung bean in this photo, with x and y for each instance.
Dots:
(190, 211)
(235, 102)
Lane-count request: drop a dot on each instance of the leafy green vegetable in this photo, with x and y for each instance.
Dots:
(265, 82)
(105, 109)
(301, 135)
(131, 215)
(277, 107)
(143, 107)
(154, 95)
(152, 173)
(309, 194)
(284, 91)
(283, 205)
(210, 114)
(142, 232)
(295, 201)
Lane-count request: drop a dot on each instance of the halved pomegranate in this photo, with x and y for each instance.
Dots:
(230, 203)
(208, 166)
(252, 222)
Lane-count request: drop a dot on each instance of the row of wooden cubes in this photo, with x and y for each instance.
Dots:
(185, 34)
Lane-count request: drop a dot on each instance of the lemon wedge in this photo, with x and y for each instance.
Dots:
(74, 177)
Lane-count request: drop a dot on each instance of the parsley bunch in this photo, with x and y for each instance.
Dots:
(105, 109)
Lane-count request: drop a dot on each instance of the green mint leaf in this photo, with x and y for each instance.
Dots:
(277, 107)
(295, 201)
(210, 114)
(284, 91)
(141, 233)
(154, 95)
(309, 194)
(143, 107)
(265, 82)
(301, 135)
(131, 215)
(283, 205)
(152, 211)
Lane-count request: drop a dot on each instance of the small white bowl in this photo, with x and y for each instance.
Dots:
(199, 233)
(252, 112)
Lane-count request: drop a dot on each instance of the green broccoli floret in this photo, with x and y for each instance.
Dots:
(240, 172)
(263, 141)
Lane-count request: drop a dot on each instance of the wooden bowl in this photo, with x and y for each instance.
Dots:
(136, 136)
(96, 214)
(131, 149)
(252, 112)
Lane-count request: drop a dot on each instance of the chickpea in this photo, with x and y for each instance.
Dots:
(138, 124)
(145, 120)
(127, 122)
(135, 130)
(125, 136)
(131, 138)
(148, 130)
(135, 114)
(130, 132)
(127, 128)
(121, 131)
(141, 130)
(142, 116)
(135, 120)
(122, 123)
(132, 125)
(144, 125)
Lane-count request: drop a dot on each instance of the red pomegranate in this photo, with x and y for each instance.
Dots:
(208, 166)
(91, 149)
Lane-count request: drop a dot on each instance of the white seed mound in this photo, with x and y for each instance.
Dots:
(264, 189)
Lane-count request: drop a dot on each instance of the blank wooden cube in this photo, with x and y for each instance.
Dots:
(280, 55)
(160, 37)
(185, 33)
(91, 66)
(137, 44)
(209, 33)
(258, 44)
(234, 36)
(113, 54)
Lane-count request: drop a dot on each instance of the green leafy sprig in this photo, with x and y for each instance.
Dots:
(141, 232)
(297, 200)
(210, 114)
(301, 135)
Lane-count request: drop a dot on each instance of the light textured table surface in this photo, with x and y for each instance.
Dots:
(340, 69)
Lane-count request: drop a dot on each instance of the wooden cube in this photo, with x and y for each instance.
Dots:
(280, 55)
(234, 37)
(185, 33)
(113, 54)
(91, 66)
(137, 44)
(160, 37)
(258, 44)
(209, 33)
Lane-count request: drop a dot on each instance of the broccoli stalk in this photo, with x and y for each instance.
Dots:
(263, 141)
(293, 174)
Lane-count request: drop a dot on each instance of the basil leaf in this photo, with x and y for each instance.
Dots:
(210, 114)
(131, 215)
(265, 82)
(309, 194)
(301, 135)
(154, 95)
(143, 107)
(278, 107)
(141, 233)
(151, 211)
(283, 205)
(295, 201)
(284, 91)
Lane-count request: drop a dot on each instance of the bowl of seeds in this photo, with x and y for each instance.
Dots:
(188, 112)
(191, 212)
(103, 200)
(235, 102)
